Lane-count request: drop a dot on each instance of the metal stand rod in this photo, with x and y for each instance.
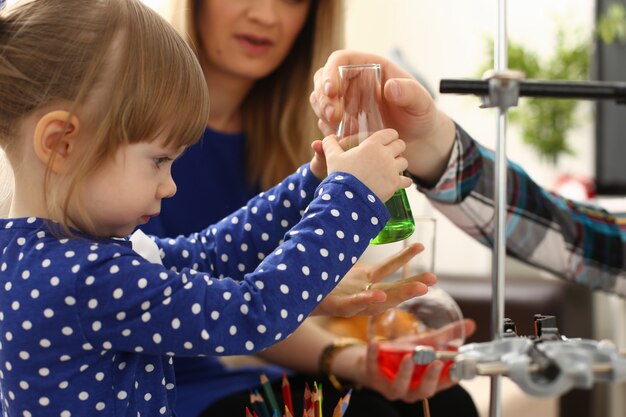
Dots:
(587, 90)
(501, 59)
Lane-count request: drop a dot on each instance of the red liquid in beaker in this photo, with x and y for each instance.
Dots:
(390, 355)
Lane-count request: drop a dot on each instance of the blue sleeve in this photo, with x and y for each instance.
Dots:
(145, 307)
(237, 243)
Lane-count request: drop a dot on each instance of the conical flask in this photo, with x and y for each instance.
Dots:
(433, 320)
(360, 92)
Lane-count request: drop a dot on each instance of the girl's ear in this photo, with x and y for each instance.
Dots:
(55, 139)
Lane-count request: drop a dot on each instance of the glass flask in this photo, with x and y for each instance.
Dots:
(360, 93)
(434, 320)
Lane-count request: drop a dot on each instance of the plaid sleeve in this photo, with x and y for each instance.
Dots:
(579, 242)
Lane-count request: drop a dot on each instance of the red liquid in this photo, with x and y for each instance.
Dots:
(389, 358)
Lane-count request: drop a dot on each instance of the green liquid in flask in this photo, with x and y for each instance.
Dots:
(400, 224)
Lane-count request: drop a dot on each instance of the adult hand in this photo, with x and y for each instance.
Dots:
(400, 387)
(361, 291)
(406, 107)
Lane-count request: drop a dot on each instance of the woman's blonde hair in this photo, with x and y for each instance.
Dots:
(278, 121)
(144, 76)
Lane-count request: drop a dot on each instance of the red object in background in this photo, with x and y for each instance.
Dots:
(575, 187)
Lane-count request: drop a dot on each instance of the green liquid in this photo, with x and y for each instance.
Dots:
(400, 224)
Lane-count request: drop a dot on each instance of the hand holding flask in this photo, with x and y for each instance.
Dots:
(360, 93)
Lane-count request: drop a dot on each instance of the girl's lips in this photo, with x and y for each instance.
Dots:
(253, 45)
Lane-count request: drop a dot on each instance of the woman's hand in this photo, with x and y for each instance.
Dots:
(359, 364)
(360, 292)
(406, 107)
(399, 388)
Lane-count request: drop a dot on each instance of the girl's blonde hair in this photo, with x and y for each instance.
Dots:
(6, 185)
(145, 78)
(278, 120)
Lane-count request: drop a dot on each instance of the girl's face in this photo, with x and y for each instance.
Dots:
(127, 190)
(248, 38)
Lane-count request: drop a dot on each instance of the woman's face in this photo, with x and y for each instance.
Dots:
(248, 38)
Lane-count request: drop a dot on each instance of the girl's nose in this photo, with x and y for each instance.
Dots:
(167, 188)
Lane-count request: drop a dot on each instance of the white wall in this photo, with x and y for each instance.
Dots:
(446, 39)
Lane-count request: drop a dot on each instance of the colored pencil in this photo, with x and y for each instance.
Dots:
(307, 397)
(337, 410)
(269, 393)
(345, 402)
(258, 404)
(287, 393)
(317, 400)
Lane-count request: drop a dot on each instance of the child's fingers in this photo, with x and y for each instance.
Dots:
(405, 182)
(385, 137)
(396, 146)
(331, 146)
(318, 148)
(401, 164)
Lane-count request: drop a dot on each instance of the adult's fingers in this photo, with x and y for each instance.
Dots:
(388, 266)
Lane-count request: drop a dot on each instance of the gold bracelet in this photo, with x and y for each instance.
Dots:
(328, 354)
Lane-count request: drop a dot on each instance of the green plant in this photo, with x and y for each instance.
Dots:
(544, 122)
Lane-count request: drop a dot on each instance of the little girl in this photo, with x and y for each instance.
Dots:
(98, 98)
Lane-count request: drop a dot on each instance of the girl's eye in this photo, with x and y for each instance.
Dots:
(160, 160)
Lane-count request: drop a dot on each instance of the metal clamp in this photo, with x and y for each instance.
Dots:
(541, 368)
(504, 89)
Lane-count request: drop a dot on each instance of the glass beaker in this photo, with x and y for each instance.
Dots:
(360, 93)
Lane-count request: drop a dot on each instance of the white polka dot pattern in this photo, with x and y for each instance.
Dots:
(86, 326)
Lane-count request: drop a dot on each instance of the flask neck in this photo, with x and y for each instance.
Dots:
(360, 94)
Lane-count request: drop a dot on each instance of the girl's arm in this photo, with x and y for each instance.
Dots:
(238, 243)
(144, 307)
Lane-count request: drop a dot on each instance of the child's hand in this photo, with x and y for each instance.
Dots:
(377, 161)
(361, 293)
(318, 163)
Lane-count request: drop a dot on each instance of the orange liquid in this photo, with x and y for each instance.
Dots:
(389, 358)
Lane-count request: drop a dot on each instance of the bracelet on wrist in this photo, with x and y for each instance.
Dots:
(329, 353)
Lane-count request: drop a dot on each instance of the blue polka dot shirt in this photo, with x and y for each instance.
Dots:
(88, 327)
